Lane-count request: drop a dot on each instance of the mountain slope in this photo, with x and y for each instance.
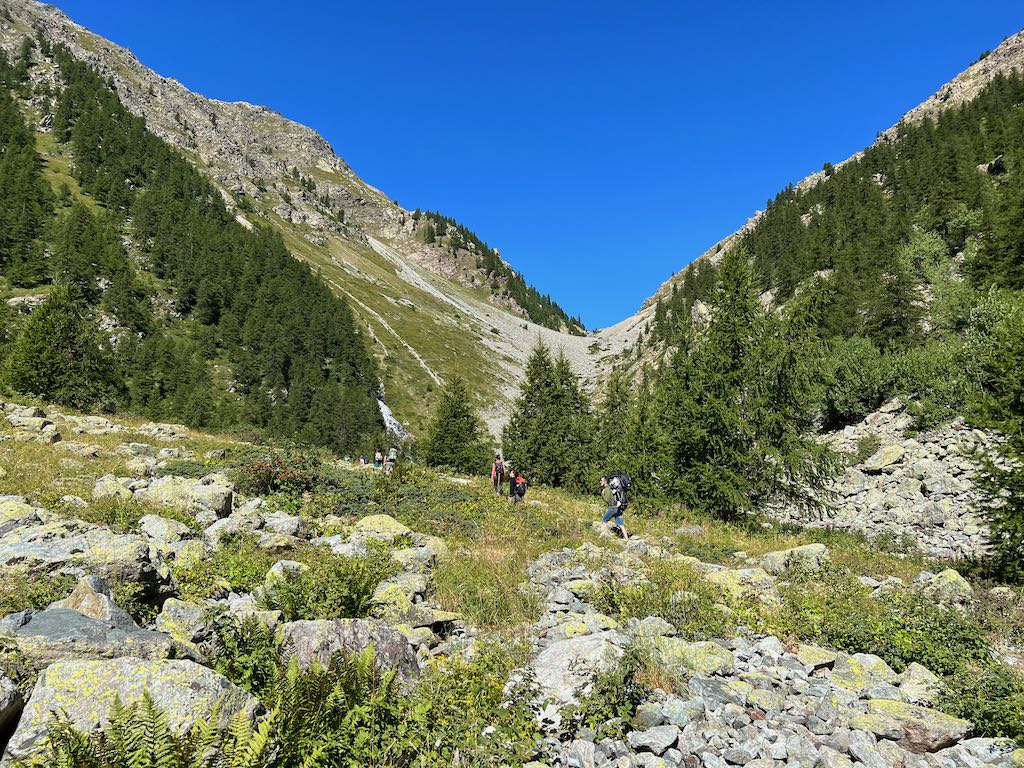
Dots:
(1004, 60)
(431, 309)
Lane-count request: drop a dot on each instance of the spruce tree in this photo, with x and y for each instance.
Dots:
(1001, 406)
(60, 355)
(736, 405)
(550, 433)
(455, 436)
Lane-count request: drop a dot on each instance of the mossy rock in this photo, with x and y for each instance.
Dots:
(925, 730)
(700, 658)
(86, 690)
(381, 528)
(859, 672)
(813, 656)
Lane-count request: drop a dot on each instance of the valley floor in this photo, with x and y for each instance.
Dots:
(144, 556)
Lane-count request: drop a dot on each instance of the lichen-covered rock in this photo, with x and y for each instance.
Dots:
(809, 557)
(86, 691)
(380, 528)
(947, 587)
(163, 529)
(699, 658)
(213, 494)
(919, 685)
(925, 730)
(309, 641)
(861, 671)
(884, 457)
(72, 546)
(746, 583)
(813, 656)
(185, 621)
(657, 739)
(60, 634)
(91, 597)
(109, 486)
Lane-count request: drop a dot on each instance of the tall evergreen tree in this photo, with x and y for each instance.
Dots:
(455, 436)
(1001, 406)
(736, 405)
(550, 432)
(61, 356)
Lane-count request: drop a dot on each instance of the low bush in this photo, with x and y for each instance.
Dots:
(290, 471)
(676, 593)
(123, 515)
(613, 696)
(333, 587)
(834, 609)
(22, 590)
(856, 381)
(239, 563)
(247, 652)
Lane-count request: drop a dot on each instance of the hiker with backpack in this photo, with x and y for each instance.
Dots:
(614, 491)
(390, 460)
(498, 474)
(517, 487)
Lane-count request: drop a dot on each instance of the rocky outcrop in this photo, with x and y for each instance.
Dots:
(917, 489)
(59, 634)
(34, 537)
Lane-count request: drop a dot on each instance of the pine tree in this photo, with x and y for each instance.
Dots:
(550, 433)
(455, 436)
(736, 405)
(1001, 406)
(61, 356)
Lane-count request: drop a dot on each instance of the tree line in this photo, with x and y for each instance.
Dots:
(202, 319)
(540, 308)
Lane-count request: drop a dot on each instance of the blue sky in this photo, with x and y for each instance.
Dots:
(601, 146)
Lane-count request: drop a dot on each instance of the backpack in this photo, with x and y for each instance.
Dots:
(499, 468)
(620, 483)
(519, 489)
(393, 455)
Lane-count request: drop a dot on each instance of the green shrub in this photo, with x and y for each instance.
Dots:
(239, 562)
(613, 697)
(676, 593)
(936, 381)
(349, 713)
(460, 698)
(333, 587)
(290, 471)
(990, 695)
(833, 608)
(247, 652)
(866, 447)
(22, 590)
(856, 381)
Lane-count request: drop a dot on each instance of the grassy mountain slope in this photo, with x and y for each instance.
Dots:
(430, 308)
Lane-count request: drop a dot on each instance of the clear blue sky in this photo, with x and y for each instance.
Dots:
(601, 146)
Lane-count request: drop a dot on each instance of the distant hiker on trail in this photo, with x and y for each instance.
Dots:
(391, 460)
(498, 474)
(517, 487)
(378, 459)
(613, 492)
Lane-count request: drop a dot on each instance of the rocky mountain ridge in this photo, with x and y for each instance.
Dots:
(1006, 58)
(429, 308)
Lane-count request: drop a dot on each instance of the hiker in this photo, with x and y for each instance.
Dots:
(498, 474)
(391, 460)
(613, 492)
(378, 459)
(517, 487)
